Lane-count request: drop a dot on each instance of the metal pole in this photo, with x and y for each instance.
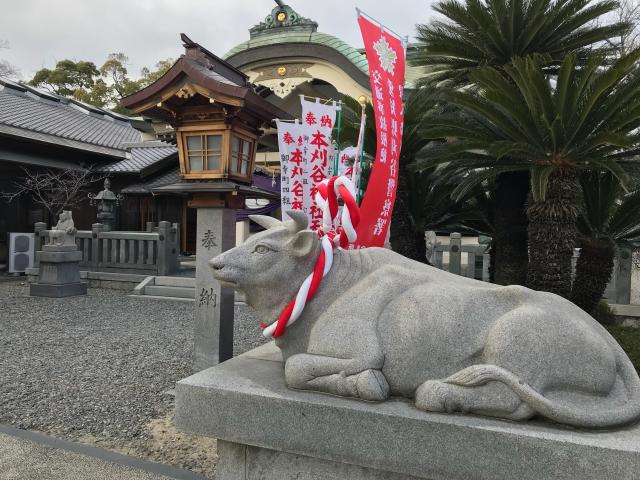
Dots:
(358, 167)
(338, 126)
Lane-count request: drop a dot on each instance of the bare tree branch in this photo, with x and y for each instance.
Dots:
(627, 12)
(55, 190)
(6, 69)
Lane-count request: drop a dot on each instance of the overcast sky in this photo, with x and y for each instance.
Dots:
(41, 32)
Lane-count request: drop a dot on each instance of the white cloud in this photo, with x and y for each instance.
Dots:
(42, 32)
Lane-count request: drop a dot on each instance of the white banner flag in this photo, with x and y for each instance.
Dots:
(318, 120)
(293, 147)
(306, 158)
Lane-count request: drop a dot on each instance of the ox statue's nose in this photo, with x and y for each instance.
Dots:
(217, 263)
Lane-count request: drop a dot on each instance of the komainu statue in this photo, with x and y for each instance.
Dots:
(64, 233)
(381, 324)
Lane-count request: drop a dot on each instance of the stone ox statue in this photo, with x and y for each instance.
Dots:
(383, 325)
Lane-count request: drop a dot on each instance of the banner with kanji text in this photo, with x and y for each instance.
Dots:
(292, 146)
(318, 120)
(386, 57)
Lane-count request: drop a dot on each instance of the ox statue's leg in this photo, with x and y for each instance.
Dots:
(338, 376)
(493, 399)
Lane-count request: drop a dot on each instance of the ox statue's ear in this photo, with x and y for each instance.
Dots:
(300, 220)
(304, 242)
(265, 221)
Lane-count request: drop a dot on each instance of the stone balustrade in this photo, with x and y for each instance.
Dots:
(151, 253)
(477, 258)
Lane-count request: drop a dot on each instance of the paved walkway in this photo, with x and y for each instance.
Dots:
(27, 455)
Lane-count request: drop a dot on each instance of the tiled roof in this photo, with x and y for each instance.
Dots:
(28, 112)
(167, 178)
(143, 155)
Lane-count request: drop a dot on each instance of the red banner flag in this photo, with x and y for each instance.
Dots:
(386, 56)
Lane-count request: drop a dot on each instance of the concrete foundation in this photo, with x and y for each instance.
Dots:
(59, 272)
(114, 281)
(268, 431)
(56, 291)
(244, 462)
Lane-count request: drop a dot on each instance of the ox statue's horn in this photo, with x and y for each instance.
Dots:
(300, 220)
(265, 221)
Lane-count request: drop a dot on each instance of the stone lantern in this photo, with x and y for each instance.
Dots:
(106, 202)
(217, 116)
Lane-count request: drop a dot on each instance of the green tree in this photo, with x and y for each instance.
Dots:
(102, 87)
(149, 76)
(98, 95)
(478, 33)
(115, 72)
(586, 118)
(609, 219)
(67, 77)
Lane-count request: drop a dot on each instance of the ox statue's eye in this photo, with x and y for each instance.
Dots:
(262, 249)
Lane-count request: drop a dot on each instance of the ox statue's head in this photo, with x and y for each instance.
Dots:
(271, 265)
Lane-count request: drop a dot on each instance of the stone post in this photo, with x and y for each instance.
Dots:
(216, 232)
(455, 253)
(486, 261)
(96, 251)
(39, 227)
(471, 264)
(242, 231)
(164, 248)
(438, 258)
(623, 277)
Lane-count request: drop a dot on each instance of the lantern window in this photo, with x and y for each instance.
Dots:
(204, 152)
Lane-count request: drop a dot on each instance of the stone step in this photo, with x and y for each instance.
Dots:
(167, 291)
(163, 298)
(626, 310)
(184, 282)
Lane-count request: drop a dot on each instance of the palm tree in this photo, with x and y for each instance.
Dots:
(609, 219)
(583, 118)
(479, 33)
(434, 209)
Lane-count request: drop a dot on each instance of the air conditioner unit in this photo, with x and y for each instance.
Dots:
(21, 251)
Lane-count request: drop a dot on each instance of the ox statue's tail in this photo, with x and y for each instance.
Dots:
(607, 416)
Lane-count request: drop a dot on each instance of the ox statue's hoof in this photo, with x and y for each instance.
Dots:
(372, 386)
(435, 396)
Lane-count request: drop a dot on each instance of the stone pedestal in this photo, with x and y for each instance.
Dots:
(216, 232)
(59, 272)
(268, 431)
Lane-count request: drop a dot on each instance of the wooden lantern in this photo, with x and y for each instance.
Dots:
(215, 111)
(216, 150)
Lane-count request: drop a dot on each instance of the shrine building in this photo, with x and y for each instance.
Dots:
(284, 57)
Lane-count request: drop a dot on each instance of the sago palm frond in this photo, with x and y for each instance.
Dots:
(479, 33)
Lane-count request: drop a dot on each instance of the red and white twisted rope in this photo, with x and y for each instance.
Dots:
(332, 235)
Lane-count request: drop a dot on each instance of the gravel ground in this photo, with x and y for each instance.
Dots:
(96, 367)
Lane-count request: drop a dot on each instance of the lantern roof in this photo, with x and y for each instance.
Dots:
(106, 194)
(198, 71)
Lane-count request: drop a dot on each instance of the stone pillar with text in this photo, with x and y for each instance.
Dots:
(213, 331)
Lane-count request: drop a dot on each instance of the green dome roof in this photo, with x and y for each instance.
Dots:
(296, 29)
(357, 58)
